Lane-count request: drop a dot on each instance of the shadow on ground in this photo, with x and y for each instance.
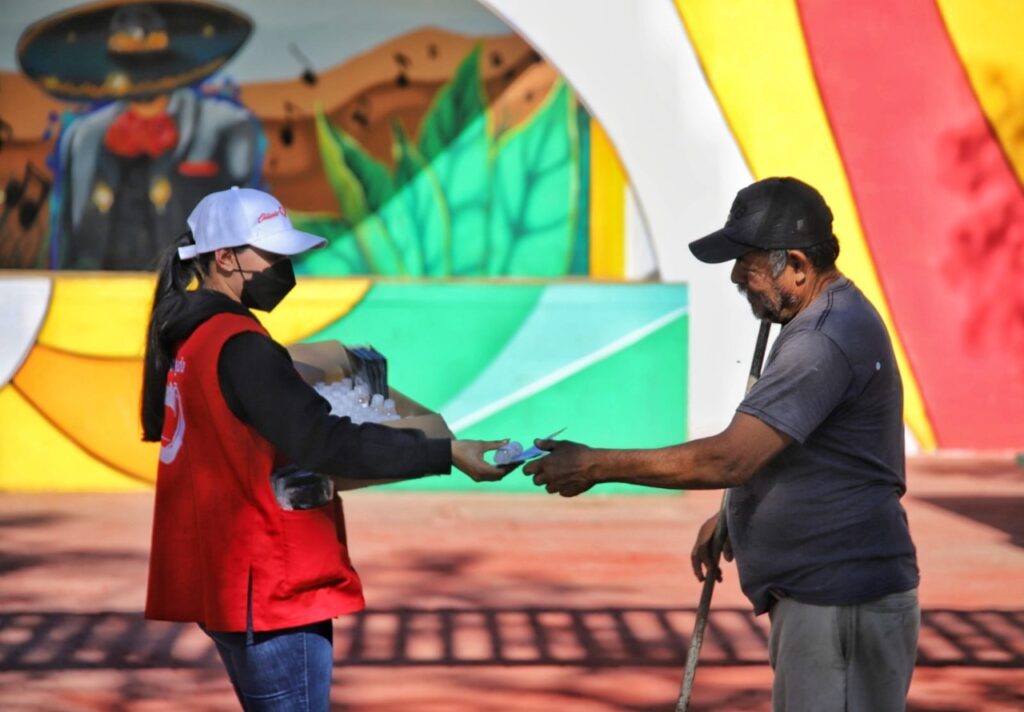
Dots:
(1003, 513)
(591, 638)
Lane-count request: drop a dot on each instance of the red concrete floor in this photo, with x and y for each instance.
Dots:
(495, 602)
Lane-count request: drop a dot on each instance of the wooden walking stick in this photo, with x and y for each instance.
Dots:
(717, 542)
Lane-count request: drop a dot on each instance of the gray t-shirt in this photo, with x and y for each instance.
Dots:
(822, 522)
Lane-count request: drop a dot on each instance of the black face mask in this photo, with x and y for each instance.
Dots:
(265, 289)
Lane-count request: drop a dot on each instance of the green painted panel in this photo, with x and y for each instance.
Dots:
(634, 398)
(573, 324)
(437, 336)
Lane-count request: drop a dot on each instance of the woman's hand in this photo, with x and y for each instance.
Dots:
(468, 456)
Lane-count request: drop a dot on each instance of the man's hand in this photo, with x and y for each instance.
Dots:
(569, 470)
(700, 555)
(468, 456)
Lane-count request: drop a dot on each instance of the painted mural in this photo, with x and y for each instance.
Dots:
(424, 154)
(369, 122)
(429, 154)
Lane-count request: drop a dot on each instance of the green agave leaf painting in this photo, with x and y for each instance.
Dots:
(534, 193)
(458, 201)
(360, 186)
(454, 137)
(341, 256)
(360, 183)
(418, 214)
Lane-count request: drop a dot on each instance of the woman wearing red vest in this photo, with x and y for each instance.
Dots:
(229, 409)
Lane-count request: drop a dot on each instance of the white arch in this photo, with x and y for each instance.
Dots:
(633, 66)
(24, 301)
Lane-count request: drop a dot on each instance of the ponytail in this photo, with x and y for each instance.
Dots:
(174, 276)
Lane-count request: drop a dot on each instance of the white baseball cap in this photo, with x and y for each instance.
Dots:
(244, 216)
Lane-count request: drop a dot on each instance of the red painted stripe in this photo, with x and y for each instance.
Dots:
(941, 209)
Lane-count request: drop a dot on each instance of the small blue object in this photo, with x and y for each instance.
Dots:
(507, 453)
(529, 453)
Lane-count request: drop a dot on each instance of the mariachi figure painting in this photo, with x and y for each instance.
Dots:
(146, 140)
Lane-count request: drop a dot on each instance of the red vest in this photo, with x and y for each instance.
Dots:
(216, 522)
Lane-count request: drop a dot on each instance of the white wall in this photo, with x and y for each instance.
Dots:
(632, 65)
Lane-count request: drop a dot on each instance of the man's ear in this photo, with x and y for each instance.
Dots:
(800, 264)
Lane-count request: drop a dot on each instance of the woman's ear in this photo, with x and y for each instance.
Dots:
(225, 259)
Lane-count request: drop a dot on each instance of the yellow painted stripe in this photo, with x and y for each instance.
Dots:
(99, 315)
(95, 402)
(754, 56)
(69, 389)
(987, 36)
(106, 316)
(37, 457)
(607, 207)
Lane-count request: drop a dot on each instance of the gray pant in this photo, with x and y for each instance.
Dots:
(844, 658)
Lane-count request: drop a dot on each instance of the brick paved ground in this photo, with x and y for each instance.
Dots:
(485, 602)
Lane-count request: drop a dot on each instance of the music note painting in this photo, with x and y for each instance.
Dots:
(21, 211)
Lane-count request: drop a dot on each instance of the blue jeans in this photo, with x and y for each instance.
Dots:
(285, 670)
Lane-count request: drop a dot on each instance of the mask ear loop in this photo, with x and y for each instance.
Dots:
(238, 265)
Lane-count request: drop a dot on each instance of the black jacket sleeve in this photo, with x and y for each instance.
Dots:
(263, 389)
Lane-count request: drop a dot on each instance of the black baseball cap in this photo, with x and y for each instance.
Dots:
(771, 214)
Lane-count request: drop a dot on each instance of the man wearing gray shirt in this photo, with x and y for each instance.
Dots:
(815, 460)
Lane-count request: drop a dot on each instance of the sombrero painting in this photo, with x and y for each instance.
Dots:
(129, 50)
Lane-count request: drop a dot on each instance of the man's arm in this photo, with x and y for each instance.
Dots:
(727, 459)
